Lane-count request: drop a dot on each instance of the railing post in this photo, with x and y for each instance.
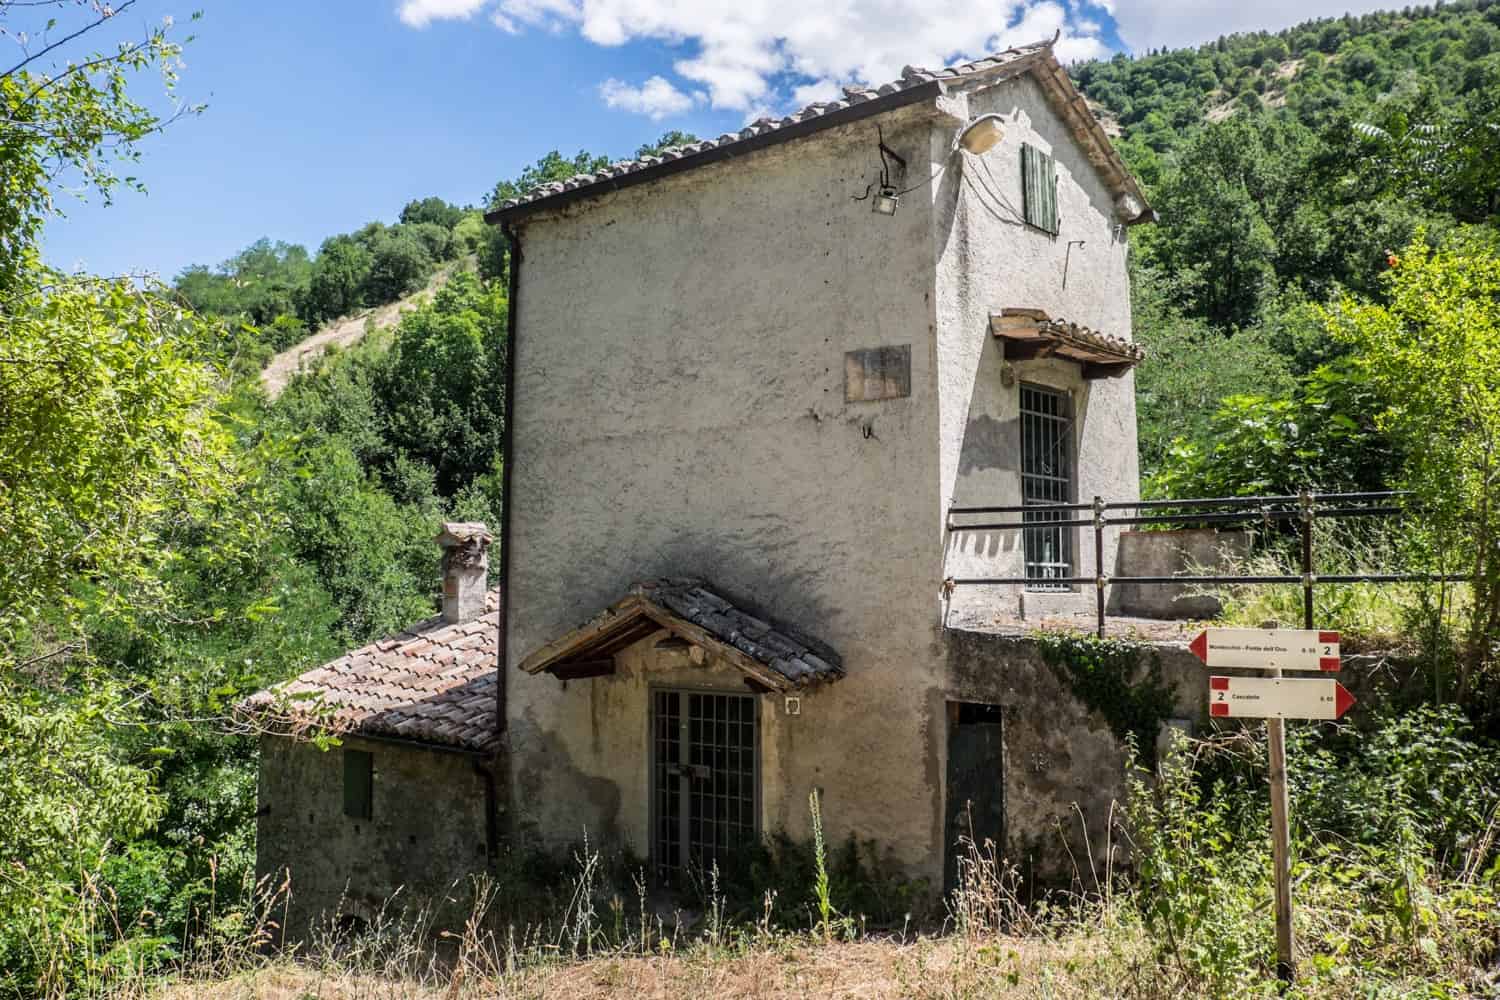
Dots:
(1099, 578)
(1305, 508)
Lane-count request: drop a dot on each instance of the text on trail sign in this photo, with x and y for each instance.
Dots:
(1284, 648)
(1277, 698)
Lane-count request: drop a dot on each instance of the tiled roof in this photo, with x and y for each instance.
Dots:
(857, 102)
(432, 683)
(1034, 327)
(772, 655)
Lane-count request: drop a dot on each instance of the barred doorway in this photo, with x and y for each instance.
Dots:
(705, 780)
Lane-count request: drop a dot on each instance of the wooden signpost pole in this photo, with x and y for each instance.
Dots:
(1277, 699)
(1281, 851)
(1281, 806)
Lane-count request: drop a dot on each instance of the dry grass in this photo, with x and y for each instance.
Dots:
(1076, 966)
(993, 947)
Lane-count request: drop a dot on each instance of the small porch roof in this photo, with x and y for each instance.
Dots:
(772, 656)
(1025, 334)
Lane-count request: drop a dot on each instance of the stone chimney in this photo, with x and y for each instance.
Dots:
(464, 564)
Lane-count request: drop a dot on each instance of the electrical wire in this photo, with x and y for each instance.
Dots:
(983, 193)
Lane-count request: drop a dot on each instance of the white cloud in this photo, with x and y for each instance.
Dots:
(656, 97)
(750, 54)
(420, 13)
(817, 92)
(1151, 24)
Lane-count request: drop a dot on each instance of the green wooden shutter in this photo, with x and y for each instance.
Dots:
(359, 780)
(1039, 188)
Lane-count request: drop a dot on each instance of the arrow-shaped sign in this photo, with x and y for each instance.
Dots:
(1286, 648)
(1277, 698)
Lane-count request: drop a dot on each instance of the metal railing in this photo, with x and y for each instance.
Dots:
(1302, 508)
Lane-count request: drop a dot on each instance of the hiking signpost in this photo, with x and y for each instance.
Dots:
(1268, 648)
(1275, 699)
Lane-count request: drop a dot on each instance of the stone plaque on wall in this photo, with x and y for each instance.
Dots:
(877, 373)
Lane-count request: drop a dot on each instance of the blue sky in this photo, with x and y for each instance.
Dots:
(325, 115)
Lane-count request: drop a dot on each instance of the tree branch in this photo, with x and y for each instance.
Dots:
(68, 38)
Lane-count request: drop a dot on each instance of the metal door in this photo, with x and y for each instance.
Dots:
(705, 780)
(975, 791)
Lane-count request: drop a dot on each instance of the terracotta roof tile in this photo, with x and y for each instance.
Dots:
(431, 683)
(773, 655)
(1037, 58)
(911, 77)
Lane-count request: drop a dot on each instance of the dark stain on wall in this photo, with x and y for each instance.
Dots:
(552, 775)
(990, 444)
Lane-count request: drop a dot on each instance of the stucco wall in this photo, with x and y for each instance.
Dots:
(988, 260)
(613, 714)
(680, 412)
(425, 836)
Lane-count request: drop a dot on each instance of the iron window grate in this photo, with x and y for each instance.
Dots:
(705, 772)
(1046, 479)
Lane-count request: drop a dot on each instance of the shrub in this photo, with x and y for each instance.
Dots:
(399, 262)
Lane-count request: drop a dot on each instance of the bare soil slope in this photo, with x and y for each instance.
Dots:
(346, 331)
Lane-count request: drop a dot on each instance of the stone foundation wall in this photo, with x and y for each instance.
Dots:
(1058, 751)
(427, 832)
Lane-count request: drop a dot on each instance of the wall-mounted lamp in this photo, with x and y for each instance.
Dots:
(885, 197)
(981, 135)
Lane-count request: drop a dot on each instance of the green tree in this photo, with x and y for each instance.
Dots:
(66, 798)
(1217, 240)
(438, 240)
(1431, 354)
(108, 426)
(470, 233)
(69, 118)
(668, 140)
(1447, 158)
(552, 167)
(433, 210)
(399, 263)
(440, 389)
(1189, 370)
(259, 283)
(339, 276)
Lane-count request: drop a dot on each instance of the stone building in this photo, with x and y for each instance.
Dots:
(752, 377)
(407, 806)
(743, 406)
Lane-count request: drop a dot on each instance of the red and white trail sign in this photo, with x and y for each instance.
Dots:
(1269, 649)
(1277, 698)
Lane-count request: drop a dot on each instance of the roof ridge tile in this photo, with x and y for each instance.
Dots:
(855, 93)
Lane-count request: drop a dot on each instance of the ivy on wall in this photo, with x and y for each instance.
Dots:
(1108, 676)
